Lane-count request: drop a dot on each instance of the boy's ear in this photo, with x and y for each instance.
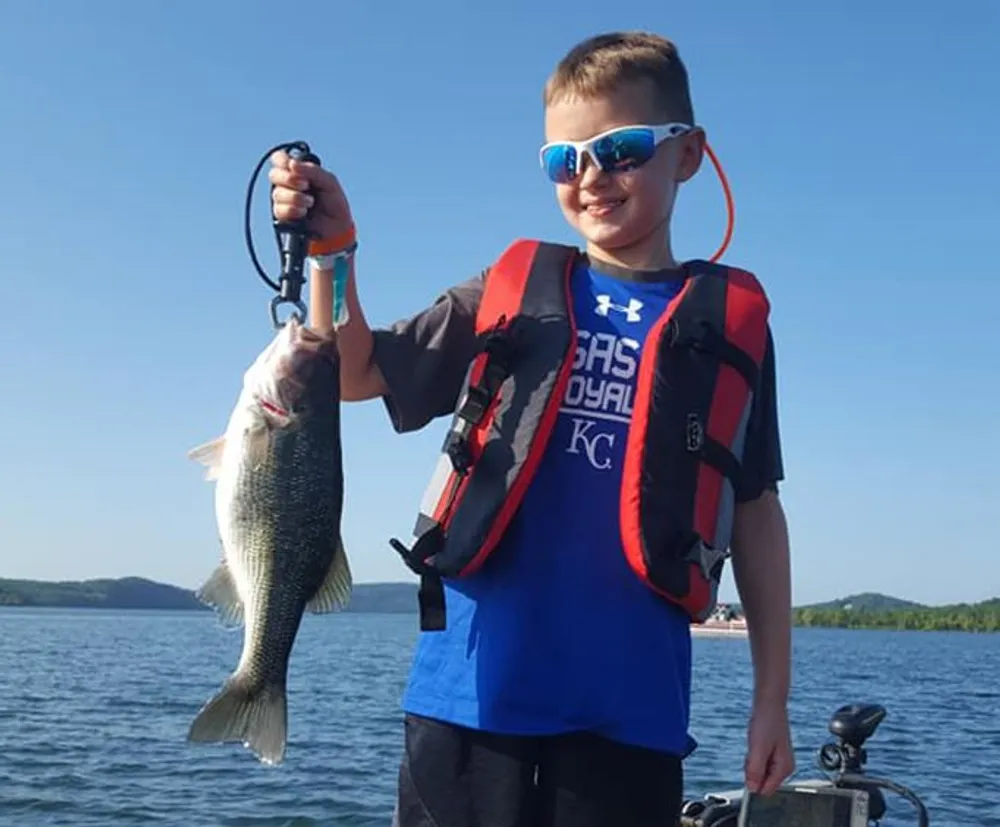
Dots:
(690, 154)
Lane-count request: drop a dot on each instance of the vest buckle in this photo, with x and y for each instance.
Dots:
(416, 558)
(458, 451)
(474, 405)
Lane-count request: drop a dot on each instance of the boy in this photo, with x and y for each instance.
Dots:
(557, 693)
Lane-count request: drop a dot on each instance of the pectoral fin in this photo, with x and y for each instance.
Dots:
(210, 455)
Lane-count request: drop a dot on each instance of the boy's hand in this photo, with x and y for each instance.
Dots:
(331, 215)
(770, 759)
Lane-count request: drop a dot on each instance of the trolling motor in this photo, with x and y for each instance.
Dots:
(846, 757)
(292, 238)
(852, 725)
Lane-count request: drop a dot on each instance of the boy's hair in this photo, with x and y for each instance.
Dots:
(603, 63)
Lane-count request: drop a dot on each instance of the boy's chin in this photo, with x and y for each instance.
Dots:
(605, 235)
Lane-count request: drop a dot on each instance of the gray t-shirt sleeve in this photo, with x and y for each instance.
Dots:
(424, 358)
(763, 467)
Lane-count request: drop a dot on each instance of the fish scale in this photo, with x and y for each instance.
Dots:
(279, 501)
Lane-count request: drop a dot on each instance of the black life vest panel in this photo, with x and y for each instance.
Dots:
(697, 377)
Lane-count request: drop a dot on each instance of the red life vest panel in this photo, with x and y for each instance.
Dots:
(695, 386)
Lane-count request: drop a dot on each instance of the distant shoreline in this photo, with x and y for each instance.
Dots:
(862, 611)
(977, 617)
(139, 593)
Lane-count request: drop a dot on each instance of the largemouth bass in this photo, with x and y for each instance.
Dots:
(279, 495)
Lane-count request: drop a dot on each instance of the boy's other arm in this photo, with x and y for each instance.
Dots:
(760, 544)
(761, 570)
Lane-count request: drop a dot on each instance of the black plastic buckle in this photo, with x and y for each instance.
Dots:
(474, 405)
(458, 451)
(414, 562)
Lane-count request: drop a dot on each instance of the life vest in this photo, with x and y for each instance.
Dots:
(696, 380)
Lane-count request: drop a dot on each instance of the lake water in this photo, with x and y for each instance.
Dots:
(94, 708)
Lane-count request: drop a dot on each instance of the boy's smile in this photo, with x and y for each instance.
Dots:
(623, 216)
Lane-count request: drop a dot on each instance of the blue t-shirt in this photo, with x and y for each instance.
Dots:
(556, 633)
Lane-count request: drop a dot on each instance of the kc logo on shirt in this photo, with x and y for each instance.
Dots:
(599, 394)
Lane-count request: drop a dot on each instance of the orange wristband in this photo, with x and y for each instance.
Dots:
(334, 244)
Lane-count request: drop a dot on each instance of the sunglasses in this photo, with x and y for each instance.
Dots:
(617, 150)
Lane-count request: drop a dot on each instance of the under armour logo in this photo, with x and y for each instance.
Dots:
(631, 311)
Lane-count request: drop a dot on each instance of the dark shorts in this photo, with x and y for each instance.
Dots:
(455, 777)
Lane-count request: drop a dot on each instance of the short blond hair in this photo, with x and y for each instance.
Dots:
(601, 64)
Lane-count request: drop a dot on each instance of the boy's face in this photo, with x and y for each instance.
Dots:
(623, 216)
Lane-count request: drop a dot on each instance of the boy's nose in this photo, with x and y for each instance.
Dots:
(590, 172)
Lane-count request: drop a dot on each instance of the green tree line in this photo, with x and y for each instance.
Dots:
(976, 617)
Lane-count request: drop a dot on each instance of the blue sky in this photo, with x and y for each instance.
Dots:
(859, 139)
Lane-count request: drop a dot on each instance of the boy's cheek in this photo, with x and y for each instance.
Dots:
(569, 203)
(566, 196)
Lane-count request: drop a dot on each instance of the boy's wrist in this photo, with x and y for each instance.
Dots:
(770, 695)
(337, 244)
(325, 263)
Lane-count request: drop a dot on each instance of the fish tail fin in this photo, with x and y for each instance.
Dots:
(255, 716)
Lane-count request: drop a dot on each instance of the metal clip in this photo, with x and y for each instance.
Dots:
(299, 305)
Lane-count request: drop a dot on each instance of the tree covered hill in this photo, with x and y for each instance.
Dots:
(891, 614)
(139, 593)
(868, 610)
(865, 602)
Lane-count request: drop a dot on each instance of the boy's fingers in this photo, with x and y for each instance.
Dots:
(771, 781)
(755, 767)
(286, 212)
(292, 197)
(317, 176)
(297, 187)
(280, 177)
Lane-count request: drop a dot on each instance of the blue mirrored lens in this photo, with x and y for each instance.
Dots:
(624, 150)
(618, 152)
(560, 163)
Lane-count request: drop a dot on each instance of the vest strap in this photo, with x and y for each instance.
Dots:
(479, 396)
(721, 458)
(698, 442)
(419, 560)
(700, 336)
(431, 600)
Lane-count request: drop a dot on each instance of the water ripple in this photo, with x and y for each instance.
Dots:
(94, 710)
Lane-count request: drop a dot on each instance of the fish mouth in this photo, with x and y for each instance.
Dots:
(299, 370)
(305, 347)
(308, 365)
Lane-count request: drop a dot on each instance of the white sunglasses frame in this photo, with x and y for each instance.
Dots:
(661, 133)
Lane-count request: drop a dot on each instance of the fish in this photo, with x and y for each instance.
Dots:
(279, 496)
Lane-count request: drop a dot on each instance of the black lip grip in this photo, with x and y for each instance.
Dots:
(292, 238)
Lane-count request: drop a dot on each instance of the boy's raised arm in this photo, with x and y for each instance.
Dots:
(416, 365)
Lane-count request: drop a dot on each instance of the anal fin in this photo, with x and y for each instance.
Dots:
(220, 592)
(334, 592)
